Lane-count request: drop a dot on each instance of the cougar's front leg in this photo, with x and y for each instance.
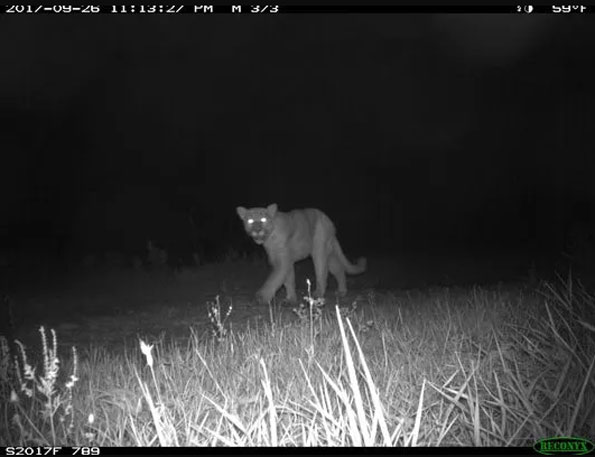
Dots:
(281, 269)
(290, 285)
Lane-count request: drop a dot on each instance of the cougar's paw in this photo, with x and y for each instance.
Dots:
(341, 293)
(263, 298)
(291, 300)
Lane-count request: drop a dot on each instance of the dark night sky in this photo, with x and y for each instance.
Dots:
(410, 131)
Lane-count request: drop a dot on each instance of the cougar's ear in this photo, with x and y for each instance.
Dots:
(241, 211)
(272, 209)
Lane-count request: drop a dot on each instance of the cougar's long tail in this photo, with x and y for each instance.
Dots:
(350, 268)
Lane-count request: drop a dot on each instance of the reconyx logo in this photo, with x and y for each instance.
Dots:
(563, 445)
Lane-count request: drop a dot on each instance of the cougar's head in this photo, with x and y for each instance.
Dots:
(258, 222)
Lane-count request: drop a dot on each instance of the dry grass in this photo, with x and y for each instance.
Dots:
(473, 367)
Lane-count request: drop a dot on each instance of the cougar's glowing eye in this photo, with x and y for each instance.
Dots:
(250, 221)
(263, 219)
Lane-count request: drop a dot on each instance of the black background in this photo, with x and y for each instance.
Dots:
(415, 133)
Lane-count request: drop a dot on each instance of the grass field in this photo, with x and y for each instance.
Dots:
(170, 365)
